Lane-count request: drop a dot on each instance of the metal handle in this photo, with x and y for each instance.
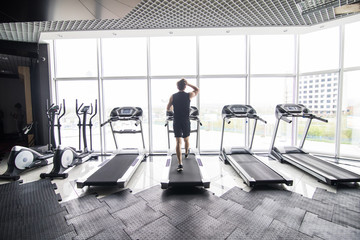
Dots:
(286, 119)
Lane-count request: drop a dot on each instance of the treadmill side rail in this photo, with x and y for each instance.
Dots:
(316, 173)
(246, 177)
(166, 172)
(204, 177)
(80, 183)
(123, 181)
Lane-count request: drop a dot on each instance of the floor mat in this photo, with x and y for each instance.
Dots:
(32, 211)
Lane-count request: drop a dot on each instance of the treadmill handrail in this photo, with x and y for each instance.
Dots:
(227, 117)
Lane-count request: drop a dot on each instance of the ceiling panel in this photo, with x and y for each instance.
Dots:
(84, 15)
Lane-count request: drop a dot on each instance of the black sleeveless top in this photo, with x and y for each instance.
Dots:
(181, 103)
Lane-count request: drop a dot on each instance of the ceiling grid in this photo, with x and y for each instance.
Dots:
(173, 14)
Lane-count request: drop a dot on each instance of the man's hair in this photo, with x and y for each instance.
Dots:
(181, 84)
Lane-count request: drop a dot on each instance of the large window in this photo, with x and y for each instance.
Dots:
(227, 68)
(86, 93)
(319, 93)
(124, 57)
(272, 54)
(173, 56)
(319, 50)
(352, 46)
(222, 55)
(76, 58)
(265, 94)
(124, 93)
(350, 116)
(214, 95)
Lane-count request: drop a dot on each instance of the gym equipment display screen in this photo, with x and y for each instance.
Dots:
(126, 111)
(239, 110)
(294, 109)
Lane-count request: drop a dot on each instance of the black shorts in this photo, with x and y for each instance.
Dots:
(182, 128)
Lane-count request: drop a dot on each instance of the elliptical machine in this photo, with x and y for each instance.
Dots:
(67, 157)
(23, 158)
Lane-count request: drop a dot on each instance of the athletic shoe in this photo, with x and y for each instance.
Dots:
(180, 168)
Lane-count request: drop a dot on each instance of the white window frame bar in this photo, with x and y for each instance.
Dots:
(340, 92)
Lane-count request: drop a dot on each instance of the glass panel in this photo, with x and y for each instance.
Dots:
(265, 94)
(85, 92)
(76, 58)
(319, 50)
(350, 128)
(222, 55)
(173, 56)
(272, 54)
(214, 95)
(161, 91)
(319, 94)
(124, 57)
(121, 93)
(352, 46)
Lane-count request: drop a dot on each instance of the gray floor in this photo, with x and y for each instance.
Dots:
(308, 209)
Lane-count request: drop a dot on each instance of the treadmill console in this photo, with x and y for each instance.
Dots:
(290, 110)
(126, 113)
(238, 110)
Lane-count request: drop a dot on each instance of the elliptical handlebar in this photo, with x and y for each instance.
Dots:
(95, 112)
(51, 112)
(84, 111)
(80, 110)
(63, 109)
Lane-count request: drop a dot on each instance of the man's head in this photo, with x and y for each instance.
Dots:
(181, 84)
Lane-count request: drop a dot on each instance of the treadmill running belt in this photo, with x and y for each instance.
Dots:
(113, 169)
(323, 166)
(190, 176)
(256, 169)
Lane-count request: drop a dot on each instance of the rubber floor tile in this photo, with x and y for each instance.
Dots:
(203, 226)
(137, 216)
(160, 229)
(315, 226)
(292, 217)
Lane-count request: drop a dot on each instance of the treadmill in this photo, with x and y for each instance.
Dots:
(252, 170)
(323, 170)
(194, 174)
(118, 170)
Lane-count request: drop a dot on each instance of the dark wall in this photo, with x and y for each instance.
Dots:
(11, 93)
(40, 93)
(40, 78)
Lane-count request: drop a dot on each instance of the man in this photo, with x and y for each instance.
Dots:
(181, 124)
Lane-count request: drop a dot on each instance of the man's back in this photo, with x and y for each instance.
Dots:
(181, 103)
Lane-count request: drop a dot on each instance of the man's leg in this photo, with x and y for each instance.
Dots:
(187, 144)
(178, 150)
